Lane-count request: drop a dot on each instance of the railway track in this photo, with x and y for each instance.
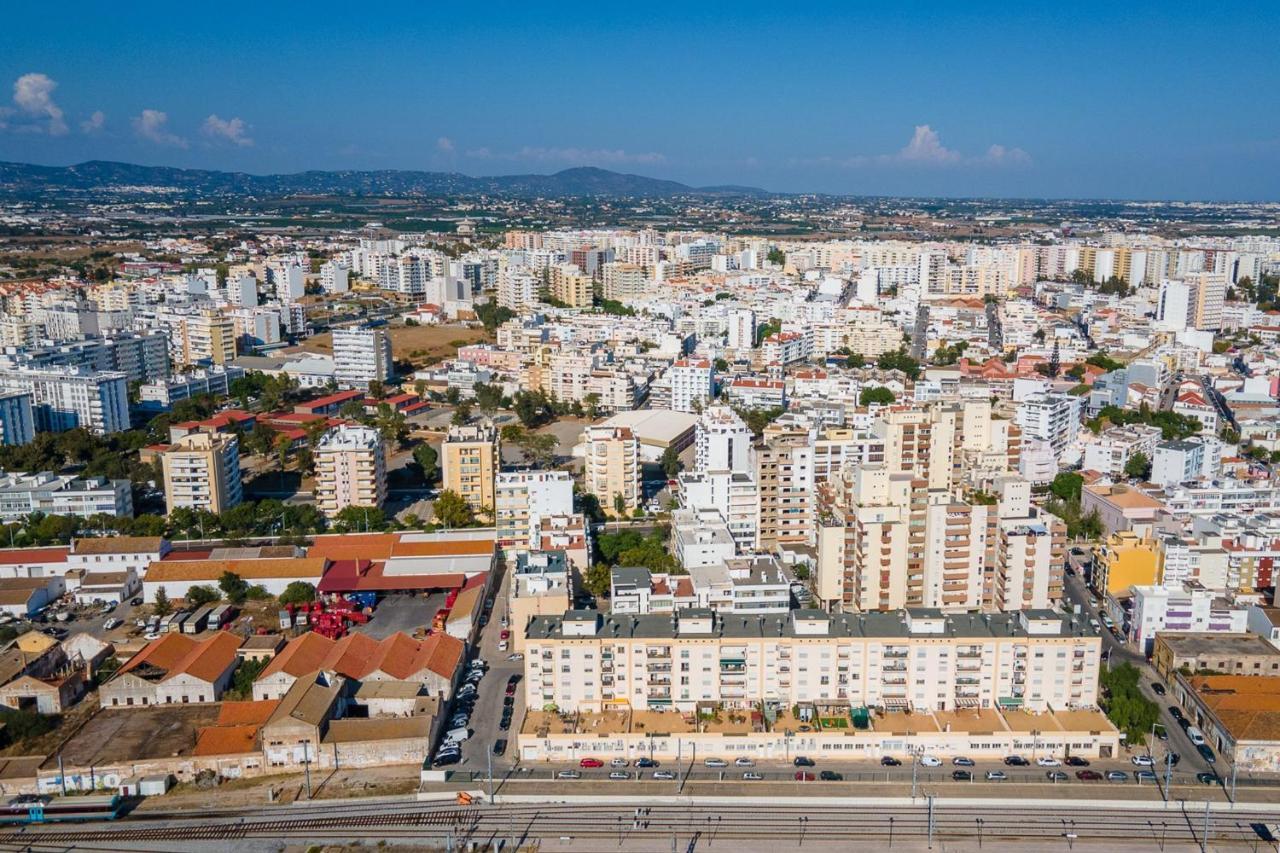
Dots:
(785, 824)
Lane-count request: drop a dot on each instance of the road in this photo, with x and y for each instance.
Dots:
(638, 824)
(1118, 652)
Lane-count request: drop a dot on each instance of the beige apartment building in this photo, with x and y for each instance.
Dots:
(351, 469)
(921, 659)
(785, 477)
(469, 463)
(202, 471)
(568, 285)
(624, 282)
(207, 337)
(612, 467)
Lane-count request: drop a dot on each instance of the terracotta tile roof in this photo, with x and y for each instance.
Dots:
(162, 653)
(227, 740)
(175, 654)
(357, 655)
(300, 656)
(443, 549)
(367, 546)
(246, 713)
(250, 570)
(118, 545)
(11, 556)
(361, 575)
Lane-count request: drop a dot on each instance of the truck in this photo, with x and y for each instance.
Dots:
(197, 621)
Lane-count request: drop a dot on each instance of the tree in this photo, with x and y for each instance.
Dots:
(282, 445)
(1130, 711)
(461, 413)
(855, 361)
(671, 464)
(246, 673)
(539, 448)
(1067, 486)
(875, 394)
(619, 504)
(200, 595)
(377, 389)
(488, 397)
(365, 518)
(899, 360)
(234, 587)
(1138, 467)
(298, 592)
(776, 256)
(428, 459)
(1055, 362)
(532, 408)
(591, 406)
(721, 365)
(452, 510)
(598, 580)
(162, 605)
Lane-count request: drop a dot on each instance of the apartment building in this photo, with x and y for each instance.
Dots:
(206, 337)
(722, 441)
(1051, 418)
(733, 495)
(1116, 446)
(361, 356)
(701, 538)
(61, 494)
(692, 384)
(1160, 610)
(351, 469)
(612, 469)
(523, 499)
(161, 394)
(904, 660)
(784, 475)
(741, 329)
(569, 286)
(202, 471)
(469, 459)
(67, 398)
(1124, 560)
(625, 282)
(17, 418)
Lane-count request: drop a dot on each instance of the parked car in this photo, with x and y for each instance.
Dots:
(1206, 753)
(591, 762)
(618, 762)
(802, 776)
(568, 774)
(646, 762)
(1158, 688)
(447, 758)
(1089, 776)
(715, 763)
(831, 776)
(802, 761)
(500, 746)
(743, 762)
(1016, 761)
(1076, 761)
(961, 776)
(112, 623)
(1144, 776)
(996, 776)
(1142, 761)
(1055, 775)
(890, 761)
(1117, 776)
(663, 774)
(1048, 761)
(619, 774)
(503, 645)
(751, 776)
(137, 602)
(1206, 778)
(962, 761)
(930, 761)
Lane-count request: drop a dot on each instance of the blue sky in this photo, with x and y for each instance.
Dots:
(1166, 100)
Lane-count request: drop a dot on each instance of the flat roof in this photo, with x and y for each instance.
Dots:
(654, 426)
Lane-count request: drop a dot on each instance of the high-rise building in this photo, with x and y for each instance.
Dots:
(17, 420)
(351, 469)
(361, 356)
(722, 442)
(625, 282)
(692, 384)
(202, 471)
(523, 499)
(469, 464)
(569, 285)
(612, 470)
(63, 399)
(784, 473)
(742, 329)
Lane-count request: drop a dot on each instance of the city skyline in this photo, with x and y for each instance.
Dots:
(923, 100)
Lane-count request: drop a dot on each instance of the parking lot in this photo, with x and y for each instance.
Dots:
(401, 612)
(81, 619)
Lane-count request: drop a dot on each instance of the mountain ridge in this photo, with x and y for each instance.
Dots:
(26, 178)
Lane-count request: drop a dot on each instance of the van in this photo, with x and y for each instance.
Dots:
(1197, 736)
(457, 735)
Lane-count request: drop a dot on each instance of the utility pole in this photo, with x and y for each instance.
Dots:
(1204, 842)
(930, 800)
(306, 764)
(489, 756)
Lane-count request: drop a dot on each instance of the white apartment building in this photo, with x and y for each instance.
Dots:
(1115, 447)
(785, 348)
(522, 499)
(692, 384)
(701, 538)
(733, 495)
(202, 471)
(624, 282)
(290, 282)
(351, 469)
(1051, 418)
(741, 324)
(57, 494)
(1177, 462)
(335, 277)
(722, 441)
(361, 356)
(912, 659)
(63, 399)
(1191, 609)
(163, 393)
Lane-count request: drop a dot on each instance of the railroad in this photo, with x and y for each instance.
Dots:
(785, 823)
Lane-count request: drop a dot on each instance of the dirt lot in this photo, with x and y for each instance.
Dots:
(125, 734)
(418, 344)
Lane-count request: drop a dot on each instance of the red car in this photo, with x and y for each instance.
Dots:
(591, 762)
(802, 776)
(505, 635)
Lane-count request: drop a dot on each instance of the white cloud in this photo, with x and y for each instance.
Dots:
(33, 96)
(226, 130)
(570, 156)
(94, 123)
(153, 125)
(445, 145)
(924, 149)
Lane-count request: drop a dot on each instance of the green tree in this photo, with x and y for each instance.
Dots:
(451, 510)
(899, 360)
(877, 394)
(200, 595)
(428, 459)
(1130, 711)
(234, 587)
(776, 256)
(161, 605)
(298, 592)
(721, 365)
(619, 504)
(242, 682)
(488, 397)
(1138, 466)
(855, 361)
(1067, 486)
(671, 464)
(597, 580)
(366, 518)
(461, 413)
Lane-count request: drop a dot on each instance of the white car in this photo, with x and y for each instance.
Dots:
(503, 646)
(930, 761)
(112, 623)
(618, 762)
(1142, 761)
(1047, 761)
(715, 762)
(744, 762)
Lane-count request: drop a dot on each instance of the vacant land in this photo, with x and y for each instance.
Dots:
(418, 344)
